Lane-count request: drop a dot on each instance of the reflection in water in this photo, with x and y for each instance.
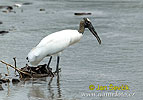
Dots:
(36, 92)
(8, 89)
(50, 81)
(51, 93)
(58, 86)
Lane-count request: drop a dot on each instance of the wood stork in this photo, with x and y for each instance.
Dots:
(55, 43)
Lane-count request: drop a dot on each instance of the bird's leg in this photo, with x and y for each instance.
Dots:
(49, 61)
(48, 68)
(57, 66)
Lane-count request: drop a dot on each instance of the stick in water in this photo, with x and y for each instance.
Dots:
(18, 70)
(15, 64)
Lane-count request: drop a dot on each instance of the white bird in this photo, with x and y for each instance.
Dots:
(55, 43)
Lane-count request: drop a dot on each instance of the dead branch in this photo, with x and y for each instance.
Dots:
(7, 69)
(18, 70)
(15, 63)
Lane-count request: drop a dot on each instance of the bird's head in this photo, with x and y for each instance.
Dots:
(86, 23)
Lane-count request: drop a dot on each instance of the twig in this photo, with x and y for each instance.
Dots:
(18, 70)
(15, 64)
(7, 69)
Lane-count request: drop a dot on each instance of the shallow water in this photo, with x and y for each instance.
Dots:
(117, 61)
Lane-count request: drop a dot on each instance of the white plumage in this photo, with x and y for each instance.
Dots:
(53, 44)
(57, 42)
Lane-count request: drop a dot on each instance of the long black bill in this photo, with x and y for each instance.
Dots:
(92, 30)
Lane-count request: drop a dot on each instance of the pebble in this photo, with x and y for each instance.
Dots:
(1, 22)
(42, 9)
(15, 81)
(27, 3)
(9, 8)
(0, 82)
(1, 88)
(3, 32)
(82, 13)
(4, 80)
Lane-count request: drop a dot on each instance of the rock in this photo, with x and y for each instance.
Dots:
(2, 7)
(1, 22)
(15, 81)
(82, 14)
(6, 74)
(0, 82)
(3, 32)
(9, 8)
(4, 80)
(42, 9)
(1, 88)
(5, 11)
(27, 3)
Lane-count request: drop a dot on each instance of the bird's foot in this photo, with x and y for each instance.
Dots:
(57, 71)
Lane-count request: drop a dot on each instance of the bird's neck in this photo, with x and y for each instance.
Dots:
(81, 28)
